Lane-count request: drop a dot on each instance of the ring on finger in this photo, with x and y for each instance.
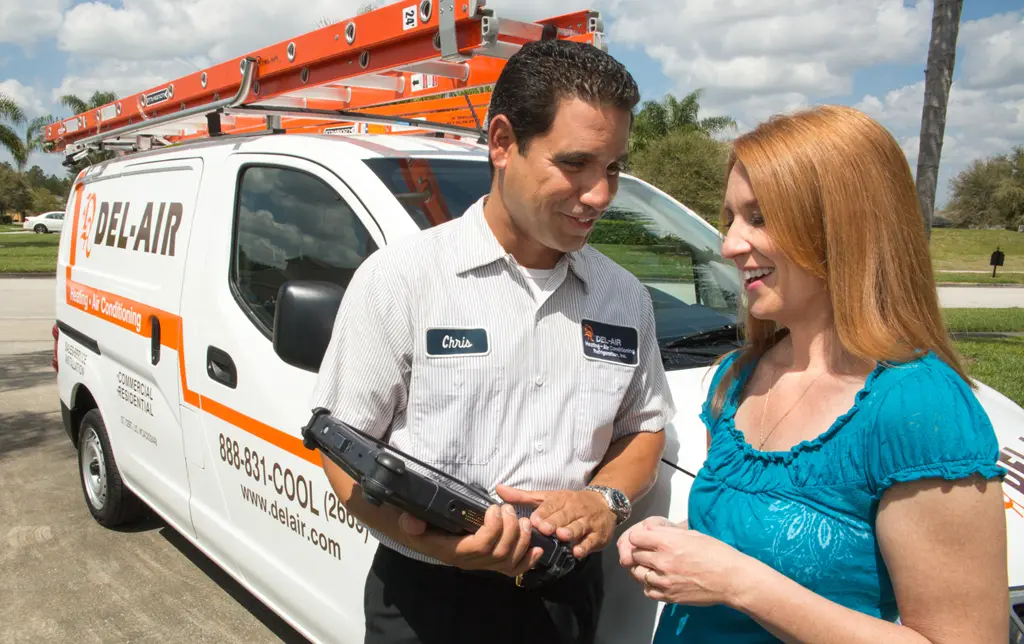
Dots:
(647, 584)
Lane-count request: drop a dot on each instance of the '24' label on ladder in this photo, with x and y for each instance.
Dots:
(409, 18)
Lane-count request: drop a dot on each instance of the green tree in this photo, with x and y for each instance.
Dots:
(43, 200)
(77, 105)
(657, 119)
(9, 138)
(35, 140)
(990, 192)
(15, 195)
(689, 165)
(36, 178)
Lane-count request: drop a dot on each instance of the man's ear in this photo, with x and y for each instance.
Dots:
(501, 141)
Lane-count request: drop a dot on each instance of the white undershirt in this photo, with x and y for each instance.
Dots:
(538, 279)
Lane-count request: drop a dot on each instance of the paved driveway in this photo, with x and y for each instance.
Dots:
(63, 578)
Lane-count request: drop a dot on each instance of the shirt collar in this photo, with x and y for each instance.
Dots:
(480, 247)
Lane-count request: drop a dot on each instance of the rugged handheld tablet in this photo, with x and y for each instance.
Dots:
(387, 475)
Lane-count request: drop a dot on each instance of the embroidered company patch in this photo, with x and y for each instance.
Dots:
(456, 342)
(609, 342)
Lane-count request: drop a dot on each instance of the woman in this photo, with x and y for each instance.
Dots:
(851, 492)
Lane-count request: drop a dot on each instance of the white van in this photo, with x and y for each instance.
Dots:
(184, 390)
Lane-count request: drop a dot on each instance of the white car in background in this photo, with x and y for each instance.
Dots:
(48, 222)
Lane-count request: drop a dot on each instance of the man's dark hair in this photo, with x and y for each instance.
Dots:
(544, 72)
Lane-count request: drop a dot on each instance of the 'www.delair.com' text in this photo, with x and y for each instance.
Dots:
(293, 521)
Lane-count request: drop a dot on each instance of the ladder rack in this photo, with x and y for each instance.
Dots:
(364, 70)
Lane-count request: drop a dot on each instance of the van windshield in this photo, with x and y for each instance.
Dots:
(696, 293)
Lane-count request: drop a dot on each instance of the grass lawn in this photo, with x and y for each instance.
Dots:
(976, 320)
(650, 262)
(956, 249)
(980, 278)
(28, 253)
(997, 362)
(6, 228)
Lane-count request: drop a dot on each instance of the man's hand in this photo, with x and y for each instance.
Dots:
(502, 544)
(581, 517)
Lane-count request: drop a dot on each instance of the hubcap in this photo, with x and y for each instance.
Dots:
(94, 470)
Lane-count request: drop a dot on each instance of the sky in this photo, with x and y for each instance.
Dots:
(751, 58)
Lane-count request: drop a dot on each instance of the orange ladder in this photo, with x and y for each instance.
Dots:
(370, 71)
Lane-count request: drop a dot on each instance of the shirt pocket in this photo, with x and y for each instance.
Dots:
(456, 409)
(603, 387)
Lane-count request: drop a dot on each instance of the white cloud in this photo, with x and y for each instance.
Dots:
(985, 112)
(24, 96)
(995, 47)
(737, 47)
(22, 22)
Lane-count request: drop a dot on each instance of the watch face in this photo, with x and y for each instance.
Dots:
(619, 498)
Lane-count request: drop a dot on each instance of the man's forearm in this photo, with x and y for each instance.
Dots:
(631, 464)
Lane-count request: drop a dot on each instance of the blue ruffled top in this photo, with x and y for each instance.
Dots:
(809, 512)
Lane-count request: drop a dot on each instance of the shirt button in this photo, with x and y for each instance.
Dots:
(539, 446)
(539, 381)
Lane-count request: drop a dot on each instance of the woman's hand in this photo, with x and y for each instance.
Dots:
(626, 547)
(681, 566)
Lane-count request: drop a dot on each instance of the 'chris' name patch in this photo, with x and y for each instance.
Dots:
(609, 342)
(456, 342)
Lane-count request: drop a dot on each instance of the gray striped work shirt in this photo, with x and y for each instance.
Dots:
(441, 348)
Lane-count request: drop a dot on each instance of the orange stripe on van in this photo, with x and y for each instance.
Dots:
(125, 313)
(74, 227)
(172, 337)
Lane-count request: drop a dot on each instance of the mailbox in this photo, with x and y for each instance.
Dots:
(996, 260)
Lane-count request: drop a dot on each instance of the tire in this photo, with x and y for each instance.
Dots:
(109, 501)
(39, 229)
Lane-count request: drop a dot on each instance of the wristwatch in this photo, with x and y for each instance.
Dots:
(617, 501)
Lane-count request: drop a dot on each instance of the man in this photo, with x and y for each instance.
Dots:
(501, 349)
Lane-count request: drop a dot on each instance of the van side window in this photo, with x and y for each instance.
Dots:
(290, 225)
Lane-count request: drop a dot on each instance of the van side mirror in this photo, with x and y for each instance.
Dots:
(304, 320)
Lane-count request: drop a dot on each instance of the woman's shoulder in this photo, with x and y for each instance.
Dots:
(925, 382)
(724, 373)
(927, 422)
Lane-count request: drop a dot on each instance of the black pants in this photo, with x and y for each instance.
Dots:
(411, 602)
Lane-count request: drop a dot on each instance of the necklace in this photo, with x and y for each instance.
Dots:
(765, 408)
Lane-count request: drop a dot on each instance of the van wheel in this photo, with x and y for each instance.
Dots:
(40, 229)
(110, 502)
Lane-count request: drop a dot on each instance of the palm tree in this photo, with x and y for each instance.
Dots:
(658, 119)
(98, 99)
(937, 81)
(9, 138)
(76, 105)
(34, 139)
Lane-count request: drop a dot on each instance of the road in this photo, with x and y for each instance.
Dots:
(63, 578)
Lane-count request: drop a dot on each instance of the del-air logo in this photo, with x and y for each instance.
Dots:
(118, 225)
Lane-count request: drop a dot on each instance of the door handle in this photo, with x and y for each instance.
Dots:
(220, 367)
(154, 339)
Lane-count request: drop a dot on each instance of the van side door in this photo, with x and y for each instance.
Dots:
(261, 498)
